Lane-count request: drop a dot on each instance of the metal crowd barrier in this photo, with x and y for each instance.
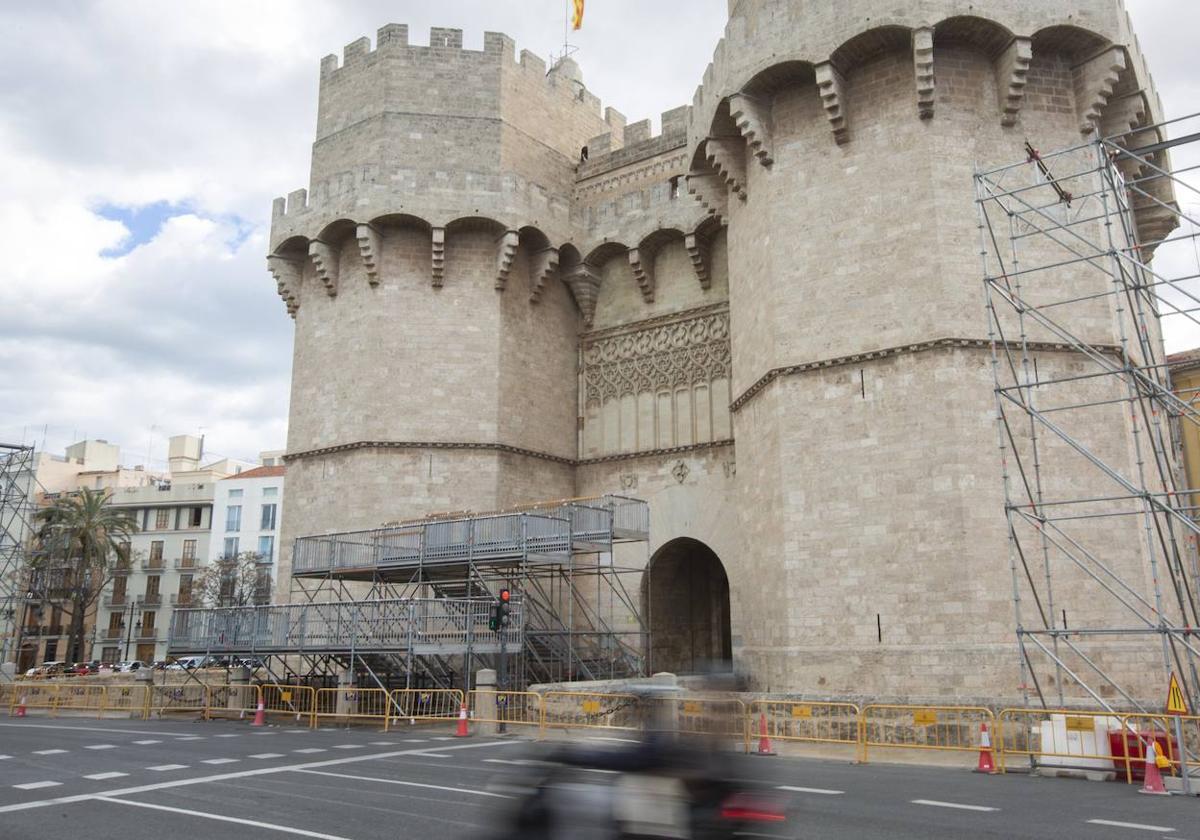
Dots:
(515, 708)
(1059, 738)
(584, 710)
(944, 728)
(421, 705)
(296, 701)
(805, 721)
(344, 705)
(178, 699)
(1141, 728)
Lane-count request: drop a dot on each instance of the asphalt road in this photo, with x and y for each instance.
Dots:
(69, 777)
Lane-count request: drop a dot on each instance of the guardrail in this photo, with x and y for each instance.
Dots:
(806, 721)
(942, 728)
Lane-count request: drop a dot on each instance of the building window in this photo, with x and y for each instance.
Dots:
(268, 518)
(235, 494)
(233, 518)
(156, 552)
(266, 549)
(195, 517)
(148, 623)
(109, 655)
(123, 554)
(162, 519)
(118, 596)
(231, 548)
(185, 590)
(262, 587)
(114, 625)
(270, 492)
(152, 584)
(189, 553)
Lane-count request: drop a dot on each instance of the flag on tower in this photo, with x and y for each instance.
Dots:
(577, 20)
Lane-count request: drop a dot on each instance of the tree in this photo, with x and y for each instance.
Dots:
(79, 541)
(237, 581)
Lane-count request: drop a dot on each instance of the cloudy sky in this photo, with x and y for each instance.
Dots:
(143, 142)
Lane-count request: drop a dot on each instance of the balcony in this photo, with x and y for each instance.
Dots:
(122, 569)
(153, 565)
(181, 599)
(113, 635)
(146, 634)
(116, 600)
(186, 563)
(150, 599)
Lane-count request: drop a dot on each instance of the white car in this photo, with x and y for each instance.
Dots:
(126, 667)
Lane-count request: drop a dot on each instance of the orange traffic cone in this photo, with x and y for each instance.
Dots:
(462, 732)
(259, 715)
(1154, 783)
(21, 707)
(764, 743)
(986, 764)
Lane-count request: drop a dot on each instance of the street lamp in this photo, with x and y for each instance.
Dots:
(129, 627)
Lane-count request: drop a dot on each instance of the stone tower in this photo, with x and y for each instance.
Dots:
(789, 271)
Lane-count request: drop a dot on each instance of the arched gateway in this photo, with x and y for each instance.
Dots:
(687, 600)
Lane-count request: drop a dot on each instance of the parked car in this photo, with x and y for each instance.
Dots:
(161, 664)
(188, 663)
(79, 669)
(132, 665)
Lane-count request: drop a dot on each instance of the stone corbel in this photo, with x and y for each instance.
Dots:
(697, 250)
(439, 256)
(753, 120)
(507, 251)
(287, 273)
(1012, 73)
(642, 264)
(542, 267)
(369, 247)
(324, 258)
(832, 90)
(727, 155)
(709, 189)
(1095, 80)
(922, 47)
(584, 283)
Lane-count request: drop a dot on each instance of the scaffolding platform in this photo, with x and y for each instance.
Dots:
(433, 584)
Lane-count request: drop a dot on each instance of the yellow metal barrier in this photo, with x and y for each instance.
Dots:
(80, 698)
(946, 728)
(805, 720)
(353, 704)
(722, 716)
(516, 708)
(296, 700)
(126, 698)
(1069, 739)
(178, 699)
(231, 701)
(586, 710)
(424, 705)
(1140, 728)
(43, 695)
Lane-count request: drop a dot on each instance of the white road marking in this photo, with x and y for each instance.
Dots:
(162, 768)
(230, 735)
(100, 777)
(938, 804)
(147, 742)
(383, 743)
(100, 747)
(415, 740)
(614, 740)
(36, 785)
(443, 738)
(1137, 826)
(299, 832)
(520, 762)
(824, 791)
(406, 784)
(192, 738)
(220, 760)
(95, 729)
(48, 752)
(268, 755)
(348, 747)
(310, 750)
(240, 774)
(2, 757)
(432, 755)
(599, 770)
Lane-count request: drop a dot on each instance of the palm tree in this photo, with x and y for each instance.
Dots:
(80, 538)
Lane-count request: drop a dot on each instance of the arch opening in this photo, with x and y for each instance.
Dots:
(687, 600)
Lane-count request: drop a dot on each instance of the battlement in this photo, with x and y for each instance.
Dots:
(626, 144)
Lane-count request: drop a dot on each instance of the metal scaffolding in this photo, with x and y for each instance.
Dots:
(16, 526)
(410, 604)
(1088, 256)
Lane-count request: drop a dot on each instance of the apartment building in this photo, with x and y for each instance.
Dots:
(247, 511)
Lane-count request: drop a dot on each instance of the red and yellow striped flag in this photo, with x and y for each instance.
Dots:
(577, 20)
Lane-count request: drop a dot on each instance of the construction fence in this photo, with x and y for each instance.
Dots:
(1113, 744)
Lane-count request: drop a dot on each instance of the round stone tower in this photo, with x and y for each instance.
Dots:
(767, 320)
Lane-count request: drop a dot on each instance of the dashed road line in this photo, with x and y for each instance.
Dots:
(823, 791)
(36, 785)
(299, 832)
(100, 777)
(230, 735)
(192, 738)
(308, 750)
(415, 740)
(100, 747)
(220, 760)
(406, 784)
(443, 737)
(1162, 829)
(432, 755)
(936, 803)
(267, 755)
(100, 729)
(349, 746)
(48, 752)
(163, 768)
(373, 744)
(147, 742)
(2, 757)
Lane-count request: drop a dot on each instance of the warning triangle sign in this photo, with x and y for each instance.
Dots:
(1176, 702)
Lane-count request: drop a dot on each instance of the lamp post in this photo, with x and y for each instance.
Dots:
(129, 627)
(27, 606)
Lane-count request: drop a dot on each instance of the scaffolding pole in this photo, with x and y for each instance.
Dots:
(17, 482)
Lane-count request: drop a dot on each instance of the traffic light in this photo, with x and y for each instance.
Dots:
(499, 618)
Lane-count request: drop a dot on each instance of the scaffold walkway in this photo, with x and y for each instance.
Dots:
(432, 585)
